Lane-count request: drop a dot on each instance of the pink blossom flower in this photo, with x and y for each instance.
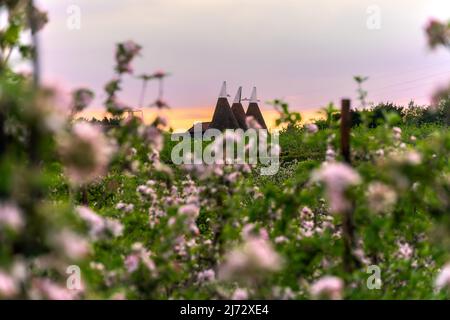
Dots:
(97, 266)
(337, 177)
(328, 287)
(114, 226)
(307, 228)
(280, 293)
(240, 294)
(380, 153)
(126, 207)
(206, 275)
(98, 225)
(311, 128)
(11, 217)
(140, 255)
(397, 133)
(131, 48)
(306, 214)
(405, 251)
(443, 279)
(190, 210)
(281, 239)
(232, 177)
(330, 154)
(159, 74)
(72, 245)
(46, 289)
(85, 153)
(131, 263)
(8, 285)
(381, 198)
(411, 157)
(249, 231)
(254, 257)
(118, 296)
(154, 137)
(125, 53)
(252, 123)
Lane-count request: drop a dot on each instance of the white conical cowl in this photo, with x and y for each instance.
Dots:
(237, 99)
(223, 90)
(254, 97)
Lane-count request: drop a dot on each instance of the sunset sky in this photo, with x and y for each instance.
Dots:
(303, 51)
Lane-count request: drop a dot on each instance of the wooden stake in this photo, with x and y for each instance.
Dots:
(345, 130)
(84, 196)
(348, 226)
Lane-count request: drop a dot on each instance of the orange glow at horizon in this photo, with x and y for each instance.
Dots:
(181, 119)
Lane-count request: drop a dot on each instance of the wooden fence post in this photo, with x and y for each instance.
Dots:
(346, 124)
(348, 226)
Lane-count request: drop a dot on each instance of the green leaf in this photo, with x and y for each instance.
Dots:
(11, 36)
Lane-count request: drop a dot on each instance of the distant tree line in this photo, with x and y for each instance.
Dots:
(412, 114)
(113, 121)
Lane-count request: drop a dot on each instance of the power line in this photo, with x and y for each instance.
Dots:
(380, 77)
(447, 73)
